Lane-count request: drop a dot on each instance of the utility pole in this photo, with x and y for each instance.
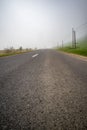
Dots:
(73, 38)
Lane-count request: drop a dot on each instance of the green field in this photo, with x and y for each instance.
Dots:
(81, 48)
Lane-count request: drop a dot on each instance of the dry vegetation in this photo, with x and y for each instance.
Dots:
(12, 51)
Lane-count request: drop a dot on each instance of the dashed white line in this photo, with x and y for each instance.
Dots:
(35, 55)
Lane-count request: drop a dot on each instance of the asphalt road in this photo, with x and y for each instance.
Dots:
(43, 90)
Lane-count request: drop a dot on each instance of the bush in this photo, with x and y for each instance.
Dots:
(9, 50)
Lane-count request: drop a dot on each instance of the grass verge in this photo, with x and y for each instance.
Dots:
(12, 53)
(80, 50)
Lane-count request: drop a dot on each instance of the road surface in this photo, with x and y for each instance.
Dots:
(43, 90)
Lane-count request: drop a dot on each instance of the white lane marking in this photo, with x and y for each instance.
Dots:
(35, 55)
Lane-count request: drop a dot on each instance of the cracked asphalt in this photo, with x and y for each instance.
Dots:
(44, 92)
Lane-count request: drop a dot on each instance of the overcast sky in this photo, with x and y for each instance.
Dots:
(39, 23)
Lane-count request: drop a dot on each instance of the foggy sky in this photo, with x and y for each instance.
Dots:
(39, 23)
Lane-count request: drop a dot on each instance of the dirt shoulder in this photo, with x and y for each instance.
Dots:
(84, 58)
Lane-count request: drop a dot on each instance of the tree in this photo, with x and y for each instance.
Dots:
(20, 48)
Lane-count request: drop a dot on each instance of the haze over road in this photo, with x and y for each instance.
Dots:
(43, 90)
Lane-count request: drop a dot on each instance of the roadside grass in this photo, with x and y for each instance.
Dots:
(3, 54)
(81, 48)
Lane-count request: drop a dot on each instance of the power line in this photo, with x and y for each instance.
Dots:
(81, 26)
(76, 30)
